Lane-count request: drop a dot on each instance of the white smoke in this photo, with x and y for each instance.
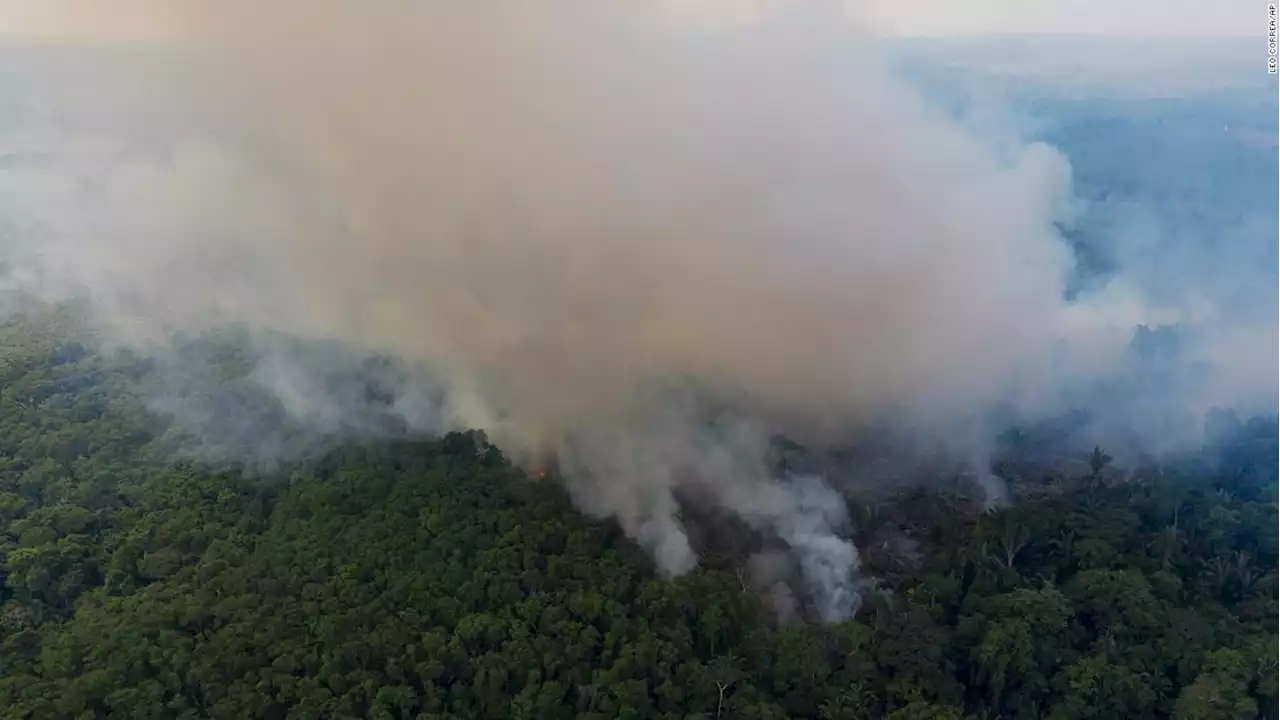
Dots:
(559, 205)
(829, 563)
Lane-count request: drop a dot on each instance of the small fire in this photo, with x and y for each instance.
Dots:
(540, 473)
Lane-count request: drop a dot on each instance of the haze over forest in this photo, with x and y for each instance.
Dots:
(548, 360)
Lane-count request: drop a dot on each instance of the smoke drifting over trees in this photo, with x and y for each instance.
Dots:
(570, 213)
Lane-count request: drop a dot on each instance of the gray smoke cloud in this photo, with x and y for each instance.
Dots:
(567, 209)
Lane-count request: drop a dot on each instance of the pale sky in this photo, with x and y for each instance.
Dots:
(1163, 18)
(147, 19)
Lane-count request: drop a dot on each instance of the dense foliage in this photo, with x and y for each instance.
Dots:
(431, 579)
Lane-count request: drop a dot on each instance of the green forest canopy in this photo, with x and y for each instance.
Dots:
(432, 579)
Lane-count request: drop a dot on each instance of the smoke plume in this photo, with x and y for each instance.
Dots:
(573, 212)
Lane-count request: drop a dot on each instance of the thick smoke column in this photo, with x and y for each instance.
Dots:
(567, 206)
(828, 563)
